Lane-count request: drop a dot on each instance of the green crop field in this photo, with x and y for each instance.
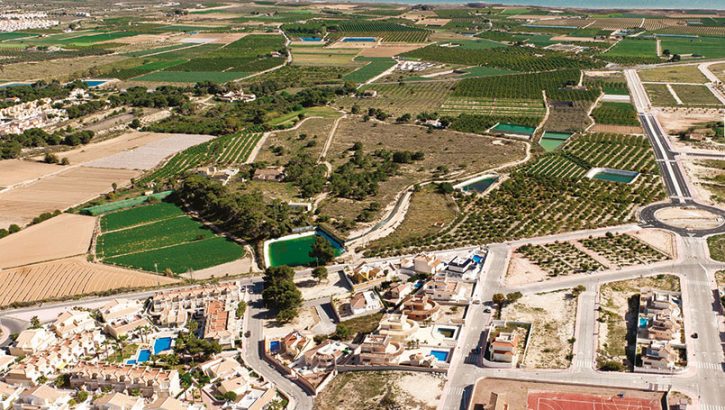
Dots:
(387, 31)
(615, 113)
(516, 59)
(160, 236)
(191, 76)
(97, 38)
(708, 47)
(527, 86)
(633, 51)
(139, 215)
(374, 67)
(659, 95)
(184, 257)
(154, 235)
(222, 151)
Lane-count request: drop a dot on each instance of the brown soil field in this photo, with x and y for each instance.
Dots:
(140, 39)
(616, 129)
(615, 23)
(61, 191)
(14, 171)
(123, 142)
(60, 69)
(219, 38)
(315, 129)
(59, 237)
(389, 50)
(69, 277)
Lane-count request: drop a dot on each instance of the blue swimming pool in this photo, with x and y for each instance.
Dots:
(94, 83)
(358, 39)
(274, 346)
(643, 322)
(162, 344)
(440, 355)
(7, 85)
(477, 259)
(144, 356)
(310, 38)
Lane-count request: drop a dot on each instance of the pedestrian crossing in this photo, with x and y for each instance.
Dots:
(581, 363)
(703, 365)
(711, 407)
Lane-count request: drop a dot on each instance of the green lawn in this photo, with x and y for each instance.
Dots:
(717, 247)
(184, 257)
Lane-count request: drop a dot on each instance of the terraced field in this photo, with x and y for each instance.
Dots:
(222, 151)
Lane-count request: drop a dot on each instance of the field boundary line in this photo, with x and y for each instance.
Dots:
(40, 262)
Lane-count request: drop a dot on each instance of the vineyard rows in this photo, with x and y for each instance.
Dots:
(223, 151)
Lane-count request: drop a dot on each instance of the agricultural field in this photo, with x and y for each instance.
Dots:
(551, 195)
(155, 238)
(222, 151)
(387, 31)
(374, 67)
(527, 86)
(507, 107)
(615, 113)
(559, 258)
(308, 139)
(708, 47)
(624, 250)
(516, 59)
(633, 51)
(68, 278)
(412, 97)
(318, 56)
(568, 117)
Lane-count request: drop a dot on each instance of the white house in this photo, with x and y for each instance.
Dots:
(32, 341)
(363, 302)
(8, 394)
(43, 397)
(118, 401)
(72, 322)
(428, 264)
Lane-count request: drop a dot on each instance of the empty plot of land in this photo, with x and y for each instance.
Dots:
(15, 171)
(59, 237)
(151, 154)
(675, 74)
(69, 277)
(60, 191)
(389, 50)
(222, 38)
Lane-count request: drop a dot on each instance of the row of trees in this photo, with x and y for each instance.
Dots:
(12, 145)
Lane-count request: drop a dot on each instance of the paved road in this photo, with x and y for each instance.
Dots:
(704, 377)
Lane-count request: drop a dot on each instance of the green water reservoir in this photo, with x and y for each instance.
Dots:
(514, 129)
(479, 185)
(613, 175)
(295, 251)
(553, 140)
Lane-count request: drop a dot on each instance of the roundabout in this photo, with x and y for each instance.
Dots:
(690, 218)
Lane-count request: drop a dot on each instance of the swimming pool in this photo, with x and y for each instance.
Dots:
(94, 83)
(162, 344)
(643, 322)
(274, 346)
(477, 259)
(142, 356)
(440, 355)
(358, 39)
(310, 38)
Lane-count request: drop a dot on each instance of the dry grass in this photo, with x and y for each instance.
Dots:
(366, 390)
(69, 277)
(674, 74)
(460, 153)
(428, 213)
(61, 69)
(552, 316)
(308, 139)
